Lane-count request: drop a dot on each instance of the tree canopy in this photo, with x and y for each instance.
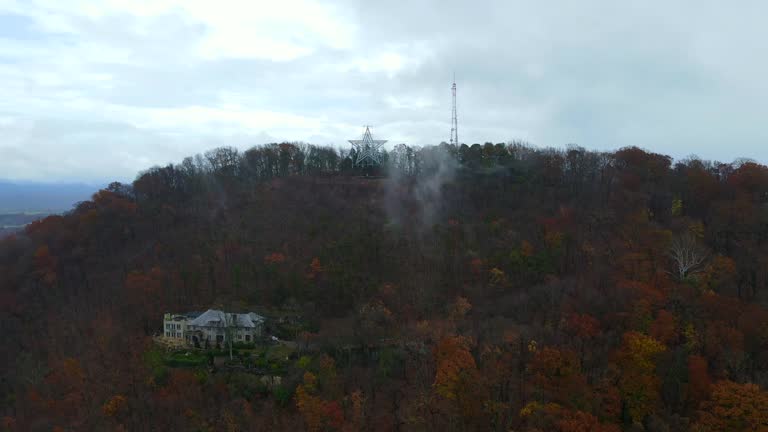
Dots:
(484, 287)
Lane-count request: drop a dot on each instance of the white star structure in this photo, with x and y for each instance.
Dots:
(367, 149)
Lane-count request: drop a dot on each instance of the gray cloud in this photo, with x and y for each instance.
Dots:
(99, 92)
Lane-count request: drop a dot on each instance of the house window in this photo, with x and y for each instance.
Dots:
(167, 334)
(247, 338)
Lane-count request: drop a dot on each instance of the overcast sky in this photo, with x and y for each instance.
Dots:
(99, 90)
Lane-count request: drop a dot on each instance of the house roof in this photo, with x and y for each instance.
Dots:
(186, 316)
(217, 318)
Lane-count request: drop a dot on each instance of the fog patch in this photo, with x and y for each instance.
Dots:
(415, 185)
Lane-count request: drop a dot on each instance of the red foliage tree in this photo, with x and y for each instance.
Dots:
(699, 382)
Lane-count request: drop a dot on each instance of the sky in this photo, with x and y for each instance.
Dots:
(94, 91)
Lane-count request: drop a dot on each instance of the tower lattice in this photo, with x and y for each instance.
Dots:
(454, 118)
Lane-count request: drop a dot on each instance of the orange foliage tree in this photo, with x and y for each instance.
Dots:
(45, 265)
(318, 414)
(315, 269)
(457, 378)
(579, 421)
(734, 407)
(115, 405)
(638, 383)
(557, 375)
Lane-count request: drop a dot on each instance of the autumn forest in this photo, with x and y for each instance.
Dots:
(496, 287)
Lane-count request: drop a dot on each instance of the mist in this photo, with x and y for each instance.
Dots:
(415, 183)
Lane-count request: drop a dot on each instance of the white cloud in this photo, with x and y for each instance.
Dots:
(273, 30)
(412, 103)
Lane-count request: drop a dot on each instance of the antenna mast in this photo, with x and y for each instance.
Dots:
(454, 119)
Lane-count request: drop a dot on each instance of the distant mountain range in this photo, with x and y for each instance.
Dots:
(13, 222)
(28, 197)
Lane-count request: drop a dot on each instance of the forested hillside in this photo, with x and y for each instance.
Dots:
(486, 287)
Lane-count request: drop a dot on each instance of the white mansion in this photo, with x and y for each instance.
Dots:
(212, 327)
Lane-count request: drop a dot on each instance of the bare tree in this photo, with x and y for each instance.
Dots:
(687, 254)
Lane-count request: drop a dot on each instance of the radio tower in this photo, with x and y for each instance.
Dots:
(454, 119)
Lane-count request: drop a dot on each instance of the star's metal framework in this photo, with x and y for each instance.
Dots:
(367, 149)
